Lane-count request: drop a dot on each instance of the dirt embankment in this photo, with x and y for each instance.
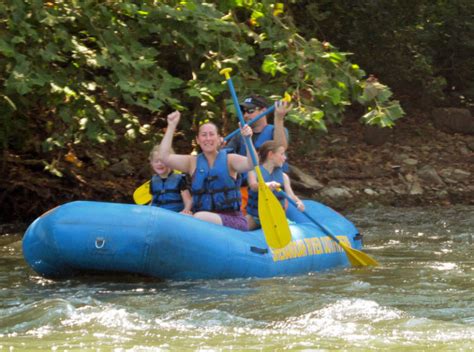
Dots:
(414, 164)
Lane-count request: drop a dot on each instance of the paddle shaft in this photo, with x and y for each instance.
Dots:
(269, 110)
(324, 228)
(248, 140)
(357, 258)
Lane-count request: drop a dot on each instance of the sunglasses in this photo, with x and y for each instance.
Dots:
(249, 111)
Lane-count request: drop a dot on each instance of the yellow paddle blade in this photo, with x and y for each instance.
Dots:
(142, 194)
(358, 258)
(272, 216)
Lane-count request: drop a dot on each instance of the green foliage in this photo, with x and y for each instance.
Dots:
(381, 110)
(422, 49)
(92, 72)
(320, 78)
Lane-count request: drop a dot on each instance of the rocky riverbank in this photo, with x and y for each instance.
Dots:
(424, 160)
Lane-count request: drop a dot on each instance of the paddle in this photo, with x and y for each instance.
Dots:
(271, 213)
(356, 257)
(142, 194)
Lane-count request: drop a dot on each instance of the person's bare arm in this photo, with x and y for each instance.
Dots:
(175, 161)
(279, 134)
(188, 201)
(252, 181)
(290, 193)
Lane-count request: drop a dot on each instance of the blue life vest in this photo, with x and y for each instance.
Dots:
(166, 192)
(265, 135)
(277, 176)
(213, 188)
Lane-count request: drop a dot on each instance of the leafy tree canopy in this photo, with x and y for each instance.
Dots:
(422, 49)
(87, 71)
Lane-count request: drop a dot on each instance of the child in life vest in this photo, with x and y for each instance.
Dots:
(272, 157)
(169, 189)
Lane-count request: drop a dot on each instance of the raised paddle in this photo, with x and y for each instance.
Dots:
(271, 213)
(356, 257)
(142, 194)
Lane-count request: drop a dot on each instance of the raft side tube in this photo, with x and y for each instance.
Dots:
(88, 236)
(111, 237)
(40, 252)
(104, 236)
(188, 248)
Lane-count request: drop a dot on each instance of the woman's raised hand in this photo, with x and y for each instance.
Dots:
(173, 118)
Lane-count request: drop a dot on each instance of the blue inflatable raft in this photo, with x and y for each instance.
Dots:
(89, 237)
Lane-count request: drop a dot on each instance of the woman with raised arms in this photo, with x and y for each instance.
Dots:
(215, 174)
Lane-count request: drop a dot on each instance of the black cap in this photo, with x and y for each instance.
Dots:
(254, 101)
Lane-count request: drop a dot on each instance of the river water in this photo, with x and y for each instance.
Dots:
(421, 298)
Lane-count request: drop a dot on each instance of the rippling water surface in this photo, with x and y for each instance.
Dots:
(420, 298)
